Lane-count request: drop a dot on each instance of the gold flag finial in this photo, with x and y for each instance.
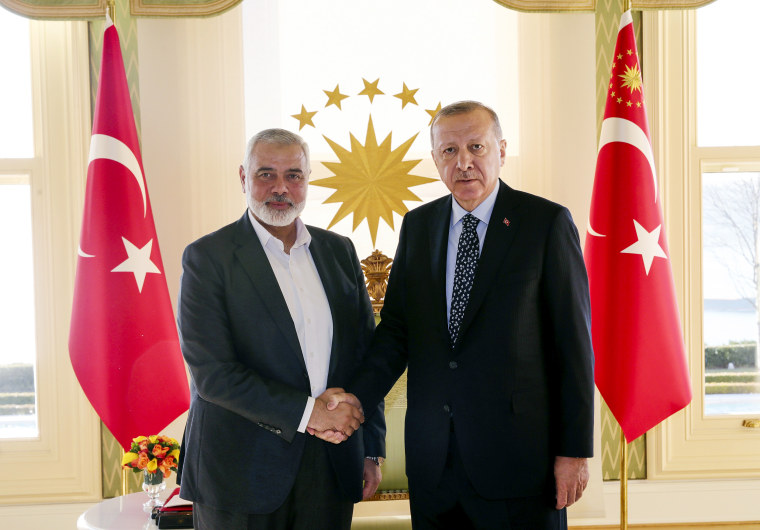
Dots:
(111, 10)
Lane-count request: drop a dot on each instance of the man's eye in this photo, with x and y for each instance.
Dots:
(295, 176)
(477, 147)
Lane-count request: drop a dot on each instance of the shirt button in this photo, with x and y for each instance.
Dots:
(446, 408)
(453, 365)
(278, 431)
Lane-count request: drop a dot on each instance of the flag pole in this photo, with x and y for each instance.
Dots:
(623, 483)
(111, 8)
(124, 482)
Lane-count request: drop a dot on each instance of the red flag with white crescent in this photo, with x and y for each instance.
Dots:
(123, 338)
(641, 368)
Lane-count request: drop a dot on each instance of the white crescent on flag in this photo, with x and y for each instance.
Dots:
(108, 147)
(622, 130)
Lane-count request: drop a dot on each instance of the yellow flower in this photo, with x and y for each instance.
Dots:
(152, 465)
(128, 457)
(174, 454)
(139, 439)
(153, 439)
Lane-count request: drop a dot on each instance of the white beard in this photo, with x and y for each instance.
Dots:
(274, 217)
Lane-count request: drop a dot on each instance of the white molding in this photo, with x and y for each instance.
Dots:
(688, 445)
(63, 462)
(674, 501)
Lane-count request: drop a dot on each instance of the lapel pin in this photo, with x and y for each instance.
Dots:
(506, 222)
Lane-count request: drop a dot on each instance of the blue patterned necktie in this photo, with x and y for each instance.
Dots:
(464, 273)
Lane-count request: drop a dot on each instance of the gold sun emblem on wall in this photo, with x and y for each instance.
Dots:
(371, 180)
(632, 78)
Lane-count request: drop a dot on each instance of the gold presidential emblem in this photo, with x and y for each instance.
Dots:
(371, 179)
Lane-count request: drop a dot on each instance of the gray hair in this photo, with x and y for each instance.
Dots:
(465, 107)
(274, 136)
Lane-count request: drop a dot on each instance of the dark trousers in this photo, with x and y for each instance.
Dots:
(315, 502)
(455, 505)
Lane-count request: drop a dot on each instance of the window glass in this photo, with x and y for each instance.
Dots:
(728, 109)
(731, 260)
(16, 139)
(18, 413)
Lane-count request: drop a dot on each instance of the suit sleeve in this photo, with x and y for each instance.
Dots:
(566, 295)
(209, 350)
(388, 356)
(374, 427)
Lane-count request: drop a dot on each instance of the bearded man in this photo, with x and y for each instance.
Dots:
(271, 313)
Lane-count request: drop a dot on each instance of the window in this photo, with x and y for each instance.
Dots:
(708, 149)
(18, 414)
(42, 174)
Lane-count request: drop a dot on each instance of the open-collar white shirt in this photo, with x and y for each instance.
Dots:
(307, 302)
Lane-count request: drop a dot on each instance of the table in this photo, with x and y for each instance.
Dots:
(120, 513)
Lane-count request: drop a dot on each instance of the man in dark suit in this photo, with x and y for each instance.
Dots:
(488, 307)
(272, 312)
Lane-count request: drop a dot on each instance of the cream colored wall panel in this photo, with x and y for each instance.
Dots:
(193, 137)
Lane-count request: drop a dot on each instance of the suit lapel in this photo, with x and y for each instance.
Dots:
(499, 236)
(439, 239)
(330, 275)
(254, 261)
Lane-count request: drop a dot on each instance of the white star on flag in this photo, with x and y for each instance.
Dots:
(648, 245)
(138, 262)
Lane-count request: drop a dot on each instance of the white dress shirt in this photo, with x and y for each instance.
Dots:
(307, 302)
(483, 213)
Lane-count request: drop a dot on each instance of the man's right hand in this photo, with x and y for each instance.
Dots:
(333, 420)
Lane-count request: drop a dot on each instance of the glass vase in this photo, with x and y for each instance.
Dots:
(153, 485)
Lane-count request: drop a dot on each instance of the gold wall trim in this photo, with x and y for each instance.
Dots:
(670, 4)
(590, 5)
(549, 5)
(52, 9)
(180, 8)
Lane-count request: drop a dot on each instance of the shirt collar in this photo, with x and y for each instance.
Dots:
(303, 237)
(482, 212)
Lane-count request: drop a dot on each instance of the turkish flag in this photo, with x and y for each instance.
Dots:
(641, 368)
(123, 339)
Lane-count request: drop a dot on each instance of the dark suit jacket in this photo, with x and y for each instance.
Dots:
(249, 383)
(519, 384)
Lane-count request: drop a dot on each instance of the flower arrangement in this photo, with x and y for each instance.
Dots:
(152, 454)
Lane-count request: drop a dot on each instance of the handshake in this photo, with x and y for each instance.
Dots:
(336, 415)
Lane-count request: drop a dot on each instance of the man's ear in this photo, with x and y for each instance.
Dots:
(241, 171)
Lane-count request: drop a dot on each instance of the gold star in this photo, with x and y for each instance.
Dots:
(629, 103)
(406, 96)
(620, 55)
(372, 181)
(304, 118)
(629, 52)
(619, 100)
(433, 112)
(610, 85)
(632, 78)
(334, 97)
(613, 65)
(638, 104)
(370, 89)
(612, 93)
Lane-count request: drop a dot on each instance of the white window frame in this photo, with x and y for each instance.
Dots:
(63, 464)
(690, 444)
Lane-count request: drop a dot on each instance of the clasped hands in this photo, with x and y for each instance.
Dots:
(336, 415)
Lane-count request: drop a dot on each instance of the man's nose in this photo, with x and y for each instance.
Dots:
(464, 160)
(279, 186)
